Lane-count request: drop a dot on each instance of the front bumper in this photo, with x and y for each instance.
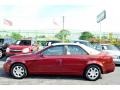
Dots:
(6, 66)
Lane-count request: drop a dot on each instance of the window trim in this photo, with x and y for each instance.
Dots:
(79, 47)
(64, 51)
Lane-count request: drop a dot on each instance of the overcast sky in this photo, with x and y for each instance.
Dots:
(47, 14)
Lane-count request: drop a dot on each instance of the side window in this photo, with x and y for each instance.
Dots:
(76, 50)
(55, 50)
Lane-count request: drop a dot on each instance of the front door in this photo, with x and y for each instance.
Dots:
(50, 61)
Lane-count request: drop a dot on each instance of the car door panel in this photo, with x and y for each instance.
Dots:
(74, 64)
(50, 60)
(47, 64)
(74, 61)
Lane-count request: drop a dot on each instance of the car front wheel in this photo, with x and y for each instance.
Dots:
(18, 71)
(93, 72)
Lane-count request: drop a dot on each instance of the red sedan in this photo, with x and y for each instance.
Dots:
(61, 59)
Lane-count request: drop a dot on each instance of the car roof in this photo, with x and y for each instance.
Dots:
(105, 44)
(81, 40)
(65, 44)
(78, 44)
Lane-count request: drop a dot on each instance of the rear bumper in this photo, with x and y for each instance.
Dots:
(109, 68)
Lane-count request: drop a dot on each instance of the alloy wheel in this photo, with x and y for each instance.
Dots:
(18, 71)
(93, 73)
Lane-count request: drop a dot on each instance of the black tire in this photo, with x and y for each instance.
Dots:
(92, 73)
(1, 53)
(18, 71)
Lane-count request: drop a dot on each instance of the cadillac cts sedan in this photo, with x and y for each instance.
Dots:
(61, 59)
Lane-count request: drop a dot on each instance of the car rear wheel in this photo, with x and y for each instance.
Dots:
(18, 71)
(1, 54)
(92, 73)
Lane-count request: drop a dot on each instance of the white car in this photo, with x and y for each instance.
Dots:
(111, 50)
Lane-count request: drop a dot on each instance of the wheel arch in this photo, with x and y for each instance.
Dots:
(19, 63)
(95, 65)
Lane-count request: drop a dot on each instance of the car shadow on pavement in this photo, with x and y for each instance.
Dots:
(65, 77)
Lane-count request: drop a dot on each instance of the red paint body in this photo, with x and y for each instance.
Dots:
(61, 65)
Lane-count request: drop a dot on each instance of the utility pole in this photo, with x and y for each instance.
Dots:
(101, 17)
(63, 27)
(100, 33)
(63, 22)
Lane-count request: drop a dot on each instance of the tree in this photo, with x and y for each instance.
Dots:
(86, 35)
(63, 35)
(16, 36)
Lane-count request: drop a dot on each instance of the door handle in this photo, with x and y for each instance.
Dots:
(60, 61)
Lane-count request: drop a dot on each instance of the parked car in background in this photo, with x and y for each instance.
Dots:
(4, 43)
(110, 49)
(61, 59)
(45, 43)
(50, 42)
(22, 46)
(118, 46)
(85, 42)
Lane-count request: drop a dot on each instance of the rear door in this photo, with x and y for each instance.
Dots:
(75, 60)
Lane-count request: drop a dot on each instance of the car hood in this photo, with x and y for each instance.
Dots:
(112, 52)
(18, 47)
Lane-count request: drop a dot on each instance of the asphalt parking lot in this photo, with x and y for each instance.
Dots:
(107, 79)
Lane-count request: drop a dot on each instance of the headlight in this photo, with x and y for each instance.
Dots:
(25, 50)
(8, 50)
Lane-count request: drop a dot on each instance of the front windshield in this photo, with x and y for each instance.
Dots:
(109, 47)
(23, 42)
